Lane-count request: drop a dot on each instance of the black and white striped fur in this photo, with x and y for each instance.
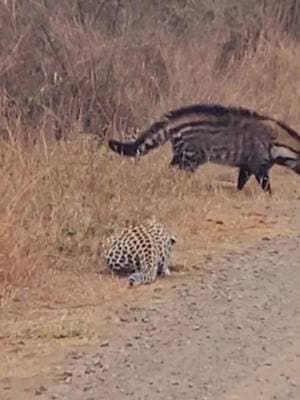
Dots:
(232, 136)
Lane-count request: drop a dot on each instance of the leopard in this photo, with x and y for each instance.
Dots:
(141, 251)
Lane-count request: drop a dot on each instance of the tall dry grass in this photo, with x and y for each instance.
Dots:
(60, 199)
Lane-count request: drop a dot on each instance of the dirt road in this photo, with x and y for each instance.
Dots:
(231, 332)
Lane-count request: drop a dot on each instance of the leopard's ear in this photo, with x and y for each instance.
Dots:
(173, 240)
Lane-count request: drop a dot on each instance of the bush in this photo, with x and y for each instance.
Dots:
(96, 65)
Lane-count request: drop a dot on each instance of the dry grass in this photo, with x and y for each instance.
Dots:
(60, 199)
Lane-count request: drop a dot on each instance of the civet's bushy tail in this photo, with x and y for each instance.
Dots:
(153, 137)
(232, 136)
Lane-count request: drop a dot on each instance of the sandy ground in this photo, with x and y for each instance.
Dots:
(229, 331)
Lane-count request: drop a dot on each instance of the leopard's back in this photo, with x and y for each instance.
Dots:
(139, 248)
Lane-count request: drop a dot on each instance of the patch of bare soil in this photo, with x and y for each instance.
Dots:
(229, 330)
